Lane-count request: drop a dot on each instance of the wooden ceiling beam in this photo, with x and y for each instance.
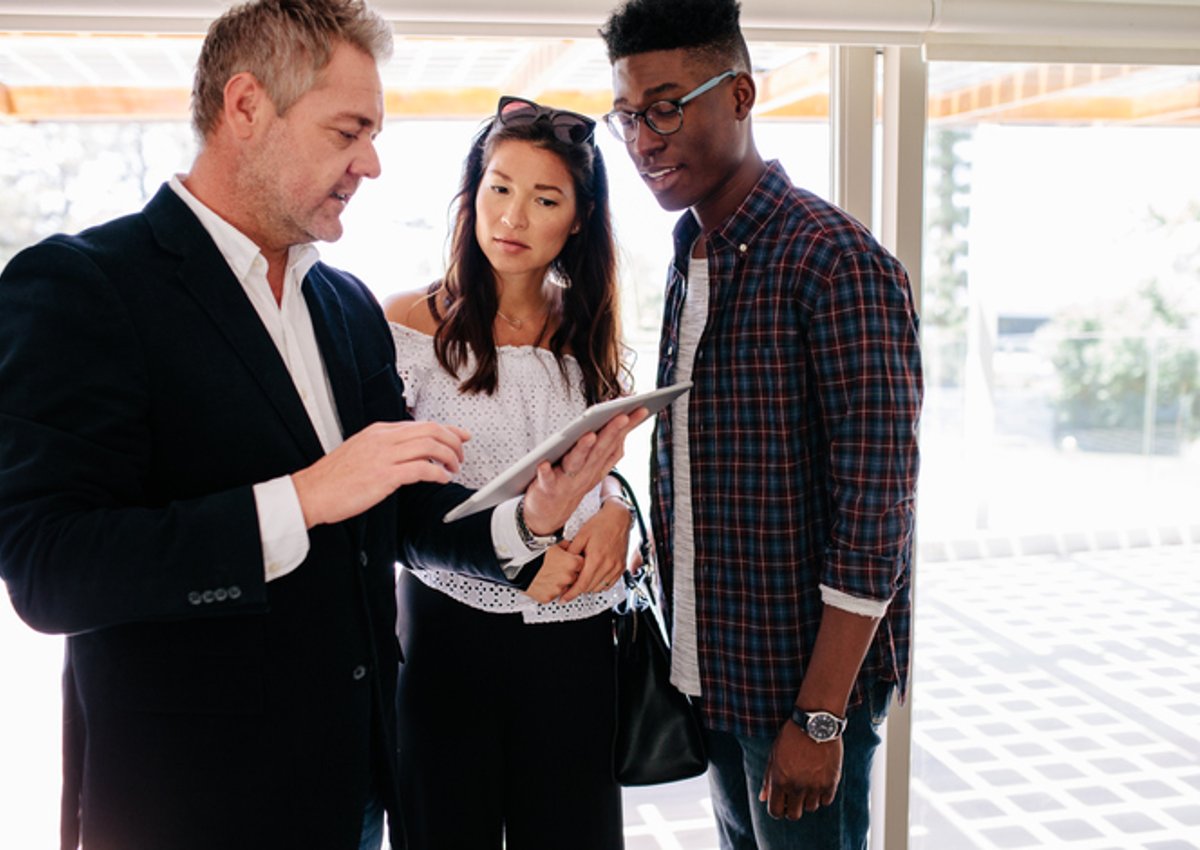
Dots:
(800, 80)
(1022, 88)
(538, 69)
(1178, 105)
(45, 103)
(440, 103)
(812, 108)
(480, 103)
(1047, 96)
(1060, 110)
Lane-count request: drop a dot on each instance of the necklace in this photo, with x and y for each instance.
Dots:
(517, 324)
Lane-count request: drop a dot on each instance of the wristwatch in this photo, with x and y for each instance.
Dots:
(531, 540)
(821, 726)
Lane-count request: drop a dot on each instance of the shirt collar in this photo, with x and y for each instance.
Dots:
(745, 223)
(237, 248)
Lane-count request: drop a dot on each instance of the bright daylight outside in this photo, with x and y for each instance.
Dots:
(1057, 686)
(1058, 584)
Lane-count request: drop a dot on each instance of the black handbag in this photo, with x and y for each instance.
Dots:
(658, 734)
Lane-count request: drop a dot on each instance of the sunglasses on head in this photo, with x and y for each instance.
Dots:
(568, 127)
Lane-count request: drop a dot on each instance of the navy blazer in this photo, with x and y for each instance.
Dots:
(140, 400)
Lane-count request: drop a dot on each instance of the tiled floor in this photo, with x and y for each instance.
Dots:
(1057, 706)
(670, 817)
(1058, 702)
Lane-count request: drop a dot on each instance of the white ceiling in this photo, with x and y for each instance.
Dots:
(1174, 21)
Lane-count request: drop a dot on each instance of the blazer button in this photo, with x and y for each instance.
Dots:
(207, 596)
(194, 598)
(220, 594)
(235, 592)
(362, 558)
(360, 673)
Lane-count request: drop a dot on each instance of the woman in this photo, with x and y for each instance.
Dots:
(506, 706)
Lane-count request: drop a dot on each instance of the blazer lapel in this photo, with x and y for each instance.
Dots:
(337, 352)
(337, 349)
(205, 274)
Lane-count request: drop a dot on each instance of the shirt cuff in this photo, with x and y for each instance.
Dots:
(280, 526)
(510, 548)
(874, 608)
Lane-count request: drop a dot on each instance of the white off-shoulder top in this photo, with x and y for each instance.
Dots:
(531, 402)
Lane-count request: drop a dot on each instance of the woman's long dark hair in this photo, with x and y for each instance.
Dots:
(465, 301)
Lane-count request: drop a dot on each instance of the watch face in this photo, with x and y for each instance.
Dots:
(822, 726)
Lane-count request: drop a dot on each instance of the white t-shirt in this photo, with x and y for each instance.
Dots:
(685, 660)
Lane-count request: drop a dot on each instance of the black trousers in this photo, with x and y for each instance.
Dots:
(505, 729)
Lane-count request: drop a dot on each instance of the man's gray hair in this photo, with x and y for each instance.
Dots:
(285, 44)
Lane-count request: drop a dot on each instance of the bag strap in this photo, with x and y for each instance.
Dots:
(641, 585)
(644, 547)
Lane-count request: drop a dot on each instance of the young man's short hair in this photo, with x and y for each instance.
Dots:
(708, 28)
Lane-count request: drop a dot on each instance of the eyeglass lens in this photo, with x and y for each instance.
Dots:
(663, 116)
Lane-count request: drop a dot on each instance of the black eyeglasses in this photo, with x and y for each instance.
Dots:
(570, 128)
(663, 116)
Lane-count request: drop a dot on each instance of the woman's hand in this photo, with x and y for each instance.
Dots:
(559, 571)
(604, 544)
(559, 488)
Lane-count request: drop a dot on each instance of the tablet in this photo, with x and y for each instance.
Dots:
(512, 482)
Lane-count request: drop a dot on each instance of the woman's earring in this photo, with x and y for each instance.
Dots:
(557, 276)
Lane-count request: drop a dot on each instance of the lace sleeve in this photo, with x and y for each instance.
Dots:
(410, 355)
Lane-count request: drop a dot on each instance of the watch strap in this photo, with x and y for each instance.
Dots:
(802, 718)
(531, 540)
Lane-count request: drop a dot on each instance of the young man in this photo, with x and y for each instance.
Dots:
(784, 483)
(206, 475)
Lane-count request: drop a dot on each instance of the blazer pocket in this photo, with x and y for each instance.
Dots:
(164, 670)
(206, 685)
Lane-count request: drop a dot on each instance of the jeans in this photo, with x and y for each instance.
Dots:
(735, 774)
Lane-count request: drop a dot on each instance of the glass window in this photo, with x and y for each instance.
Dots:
(1057, 589)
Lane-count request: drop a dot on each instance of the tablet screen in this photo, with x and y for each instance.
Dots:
(513, 481)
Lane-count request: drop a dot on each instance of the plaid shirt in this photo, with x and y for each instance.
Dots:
(802, 436)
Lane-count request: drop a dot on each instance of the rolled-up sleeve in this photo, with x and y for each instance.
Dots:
(866, 352)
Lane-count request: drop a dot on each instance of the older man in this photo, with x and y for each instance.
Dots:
(206, 476)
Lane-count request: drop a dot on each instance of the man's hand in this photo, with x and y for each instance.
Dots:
(802, 775)
(559, 571)
(558, 489)
(604, 543)
(373, 464)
